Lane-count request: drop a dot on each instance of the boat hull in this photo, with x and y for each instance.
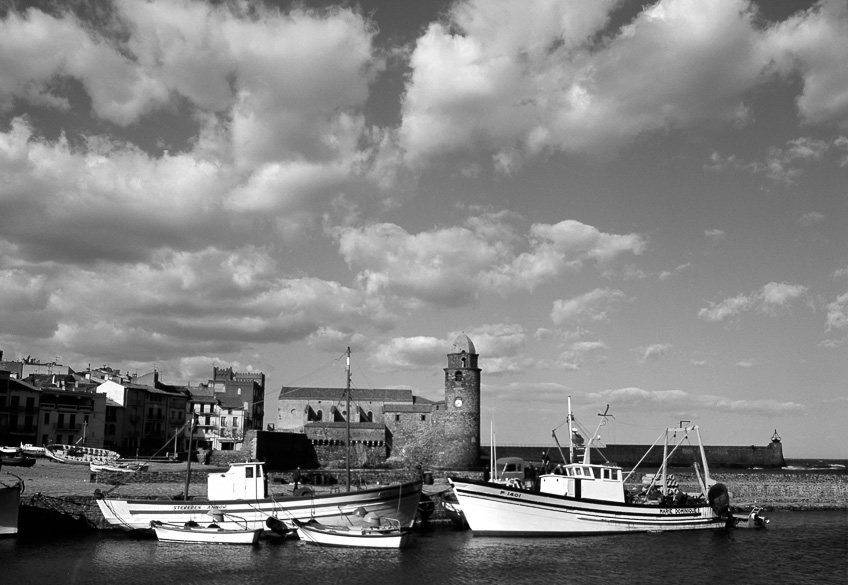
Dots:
(75, 455)
(492, 509)
(353, 536)
(398, 502)
(199, 535)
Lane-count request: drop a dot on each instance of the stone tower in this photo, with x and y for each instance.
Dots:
(462, 401)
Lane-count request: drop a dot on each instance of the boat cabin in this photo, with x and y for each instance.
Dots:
(509, 468)
(586, 481)
(242, 481)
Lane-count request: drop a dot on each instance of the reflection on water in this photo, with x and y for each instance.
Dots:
(798, 547)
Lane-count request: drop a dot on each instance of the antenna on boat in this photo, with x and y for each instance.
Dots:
(601, 423)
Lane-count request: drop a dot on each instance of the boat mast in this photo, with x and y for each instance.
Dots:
(188, 458)
(570, 433)
(347, 419)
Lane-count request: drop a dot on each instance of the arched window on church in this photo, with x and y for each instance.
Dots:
(369, 417)
(458, 376)
(319, 416)
(463, 362)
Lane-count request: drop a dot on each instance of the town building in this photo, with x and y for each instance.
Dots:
(246, 388)
(19, 407)
(393, 425)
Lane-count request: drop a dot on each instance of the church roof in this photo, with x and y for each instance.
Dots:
(336, 394)
(463, 344)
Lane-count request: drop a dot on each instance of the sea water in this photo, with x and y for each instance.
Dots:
(797, 547)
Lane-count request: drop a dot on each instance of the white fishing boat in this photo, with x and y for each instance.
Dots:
(384, 535)
(241, 493)
(582, 498)
(211, 534)
(77, 454)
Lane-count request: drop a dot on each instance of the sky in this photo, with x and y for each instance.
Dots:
(629, 203)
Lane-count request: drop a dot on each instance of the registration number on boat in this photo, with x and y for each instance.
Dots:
(190, 507)
(510, 494)
(671, 511)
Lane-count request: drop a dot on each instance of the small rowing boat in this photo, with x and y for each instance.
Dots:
(363, 536)
(191, 532)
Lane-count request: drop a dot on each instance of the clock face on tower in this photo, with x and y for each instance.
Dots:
(458, 402)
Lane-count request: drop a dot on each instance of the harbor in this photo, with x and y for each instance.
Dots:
(71, 488)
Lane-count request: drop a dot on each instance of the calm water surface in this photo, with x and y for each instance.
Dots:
(798, 547)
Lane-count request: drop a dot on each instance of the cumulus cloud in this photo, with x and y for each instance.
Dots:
(451, 266)
(773, 298)
(782, 165)
(654, 352)
(522, 80)
(498, 344)
(594, 305)
(837, 313)
(574, 357)
(813, 44)
(679, 401)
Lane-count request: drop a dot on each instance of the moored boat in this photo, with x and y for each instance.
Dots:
(241, 493)
(77, 454)
(581, 498)
(117, 467)
(354, 535)
(19, 460)
(211, 534)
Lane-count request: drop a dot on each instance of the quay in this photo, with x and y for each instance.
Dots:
(70, 489)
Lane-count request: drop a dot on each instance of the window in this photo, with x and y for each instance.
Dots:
(73, 422)
(61, 423)
(423, 417)
(458, 376)
(223, 421)
(248, 472)
(397, 417)
(206, 418)
(235, 422)
(47, 418)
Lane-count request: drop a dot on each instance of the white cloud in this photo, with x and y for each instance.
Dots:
(837, 313)
(813, 44)
(773, 298)
(451, 266)
(714, 235)
(655, 351)
(679, 401)
(523, 79)
(594, 305)
(811, 218)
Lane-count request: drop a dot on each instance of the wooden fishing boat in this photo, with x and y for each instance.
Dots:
(241, 492)
(582, 498)
(76, 454)
(211, 534)
(117, 467)
(361, 536)
(19, 460)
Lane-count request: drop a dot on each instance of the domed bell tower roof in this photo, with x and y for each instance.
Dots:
(463, 344)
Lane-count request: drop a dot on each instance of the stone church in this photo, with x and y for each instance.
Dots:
(391, 426)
